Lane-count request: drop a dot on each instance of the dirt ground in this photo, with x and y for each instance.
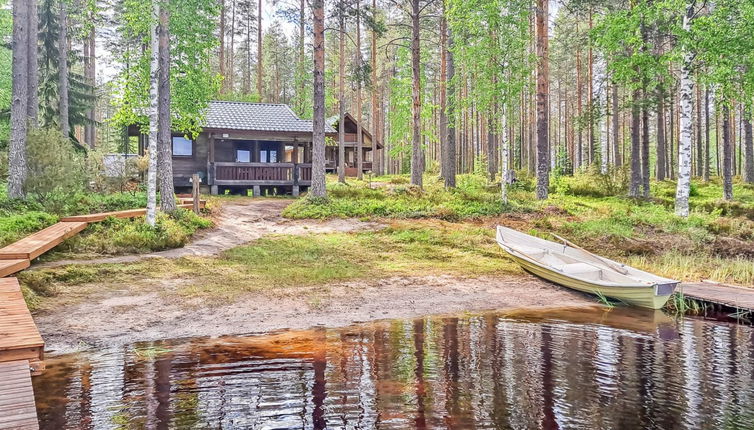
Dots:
(127, 318)
(119, 317)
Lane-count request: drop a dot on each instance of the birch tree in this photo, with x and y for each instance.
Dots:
(686, 92)
(154, 115)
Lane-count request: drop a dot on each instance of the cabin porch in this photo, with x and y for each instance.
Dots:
(239, 165)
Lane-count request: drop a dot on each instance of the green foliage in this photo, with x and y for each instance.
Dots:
(192, 83)
(120, 236)
(55, 169)
(471, 199)
(14, 227)
(81, 96)
(5, 74)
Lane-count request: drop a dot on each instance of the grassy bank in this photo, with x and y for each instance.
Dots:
(279, 262)
(113, 236)
(714, 242)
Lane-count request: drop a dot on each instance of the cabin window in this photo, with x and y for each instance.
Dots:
(268, 152)
(182, 147)
(243, 156)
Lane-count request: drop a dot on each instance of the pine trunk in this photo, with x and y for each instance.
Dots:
(543, 150)
(645, 150)
(318, 122)
(65, 127)
(376, 165)
(341, 94)
(449, 171)
(33, 64)
(259, 51)
(221, 59)
(417, 167)
(617, 159)
(165, 140)
(91, 74)
(634, 188)
(727, 153)
(359, 107)
(748, 174)
(19, 101)
(706, 136)
(661, 150)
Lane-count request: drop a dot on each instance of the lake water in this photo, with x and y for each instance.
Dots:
(585, 369)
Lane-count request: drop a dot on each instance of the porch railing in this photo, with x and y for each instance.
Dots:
(223, 173)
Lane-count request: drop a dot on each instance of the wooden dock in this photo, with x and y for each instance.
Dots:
(720, 294)
(21, 345)
(17, 407)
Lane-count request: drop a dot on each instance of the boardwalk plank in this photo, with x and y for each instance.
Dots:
(42, 241)
(728, 295)
(17, 408)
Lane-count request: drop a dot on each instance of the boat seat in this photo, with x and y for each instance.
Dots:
(530, 251)
(580, 269)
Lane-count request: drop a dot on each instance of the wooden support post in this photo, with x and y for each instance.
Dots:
(257, 191)
(195, 182)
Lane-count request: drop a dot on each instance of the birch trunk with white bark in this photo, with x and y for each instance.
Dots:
(154, 116)
(686, 93)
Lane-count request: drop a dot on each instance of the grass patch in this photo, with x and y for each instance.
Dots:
(279, 262)
(132, 235)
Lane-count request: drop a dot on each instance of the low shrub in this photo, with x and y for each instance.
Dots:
(120, 236)
(14, 227)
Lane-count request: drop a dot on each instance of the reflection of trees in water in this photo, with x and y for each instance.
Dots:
(446, 372)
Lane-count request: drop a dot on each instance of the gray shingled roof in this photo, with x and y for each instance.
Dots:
(258, 117)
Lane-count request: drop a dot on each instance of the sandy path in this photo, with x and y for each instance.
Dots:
(125, 317)
(239, 221)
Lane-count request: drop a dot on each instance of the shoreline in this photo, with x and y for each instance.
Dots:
(110, 320)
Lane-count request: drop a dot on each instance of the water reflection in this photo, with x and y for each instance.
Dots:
(625, 368)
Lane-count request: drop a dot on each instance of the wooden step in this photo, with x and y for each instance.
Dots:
(19, 336)
(40, 242)
(190, 205)
(9, 267)
(131, 213)
(17, 407)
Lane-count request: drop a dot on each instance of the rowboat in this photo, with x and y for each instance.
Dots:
(574, 267)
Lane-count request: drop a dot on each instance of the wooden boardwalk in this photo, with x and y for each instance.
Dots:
(17, 408)
(9, 267)
(42, 241)
(19, 336)
(21, 345)
(720, 294)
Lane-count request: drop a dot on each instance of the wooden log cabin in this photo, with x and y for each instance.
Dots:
(369, 146)
(255, 147)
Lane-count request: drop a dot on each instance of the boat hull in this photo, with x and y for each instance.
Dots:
(643, 296)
